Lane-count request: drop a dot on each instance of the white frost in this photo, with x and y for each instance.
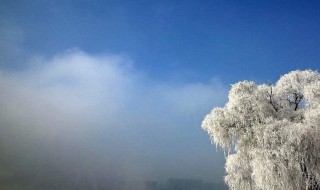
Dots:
(272, 132)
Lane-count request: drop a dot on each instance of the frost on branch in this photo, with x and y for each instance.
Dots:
(271, 132)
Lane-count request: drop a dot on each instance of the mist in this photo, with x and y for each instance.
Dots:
(90, 121)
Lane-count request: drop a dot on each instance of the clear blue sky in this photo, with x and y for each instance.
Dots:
(129, 82)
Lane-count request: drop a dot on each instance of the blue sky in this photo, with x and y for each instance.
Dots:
(129, 82)
(234, 40)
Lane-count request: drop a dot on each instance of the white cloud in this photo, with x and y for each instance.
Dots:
(77, 103)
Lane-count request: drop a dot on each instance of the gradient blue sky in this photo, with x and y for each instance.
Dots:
(132, 80)
(234, 40)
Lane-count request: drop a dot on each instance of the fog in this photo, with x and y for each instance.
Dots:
(90, 121)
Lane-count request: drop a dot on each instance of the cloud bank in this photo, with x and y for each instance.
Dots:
(81, 121)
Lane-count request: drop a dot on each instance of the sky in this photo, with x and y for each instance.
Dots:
(95, 91)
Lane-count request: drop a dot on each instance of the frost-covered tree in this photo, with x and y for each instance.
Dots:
(271, 133)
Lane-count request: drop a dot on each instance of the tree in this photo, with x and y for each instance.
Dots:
(271, 133)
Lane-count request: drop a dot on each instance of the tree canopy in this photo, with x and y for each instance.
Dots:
(271, 133)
